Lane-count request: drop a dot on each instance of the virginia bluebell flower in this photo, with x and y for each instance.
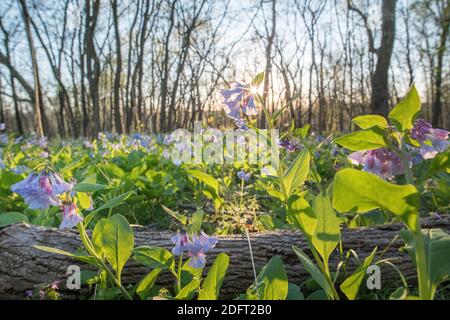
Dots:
(239, 97)
(244, 175)
(431, 140)
(71, 217)
(181, 241)
(198, 248)
(40, 190)
(381, 162)
(289, 145)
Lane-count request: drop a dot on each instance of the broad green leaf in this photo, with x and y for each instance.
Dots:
(300, 214)
(351, 285)
(196, 221)
(369, 121)
(303, 131)
(258, 79)
(84, 200)
(145, 286)
(437, 251)
(297, 172)
(117, 241)
(89, 187)
(182, 219)
(367, 139)
(315, 273)
(155, 257)
(358, 191)
(207, 179)
(8, 218)
(272, 281)
(294, 292)
(97, 236)
(327, 233)
(188, 291)
(213, 281)
(404, 113)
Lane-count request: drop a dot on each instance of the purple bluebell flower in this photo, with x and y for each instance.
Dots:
(244, 175)
(2, 126)
(40, 190)
(208, 242)
(197, 254)
(381, 162)
(182, 242)
(29, 293)
(431, 140)
(239, 98)
(232, 99)
(44, 154)
(71, 217)
(289, 145)
(200, 245)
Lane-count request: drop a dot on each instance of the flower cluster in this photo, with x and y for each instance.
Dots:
(381, 162)
(289, 145)
(41, 190)
(71, 217)
(197, 247)
(431, 140)
(244, 175)
(239, 97)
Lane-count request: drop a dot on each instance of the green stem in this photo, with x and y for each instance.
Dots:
(180, 264)
(421, 257)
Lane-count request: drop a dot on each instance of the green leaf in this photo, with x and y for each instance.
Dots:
(196, 221)
(437, 249)
(404, 113)
(213, 281)
(97, 236)
(155, 257)
(144, 287)
(297, 172)
(258, 79)
(351, 285)
(207, 179)
(314, 271)
(89, 187)
(188, 291)
(327, 233)
(8, 218)
(369, 121)
(300, 214)
(294, 292)
(84, 200)
(84, 258)
(358, 191)
(272, 281)
(367, 139)
(182, 219)
(117, 241)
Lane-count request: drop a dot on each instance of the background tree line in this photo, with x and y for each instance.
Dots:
(72, 68)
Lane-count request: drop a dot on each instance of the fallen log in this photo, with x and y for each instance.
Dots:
(23, 267)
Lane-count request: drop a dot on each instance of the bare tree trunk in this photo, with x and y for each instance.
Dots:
(379, 103)
(117, 76)
(40, 121)
(437, 103)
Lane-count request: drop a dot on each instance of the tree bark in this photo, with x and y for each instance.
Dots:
(22, 266)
